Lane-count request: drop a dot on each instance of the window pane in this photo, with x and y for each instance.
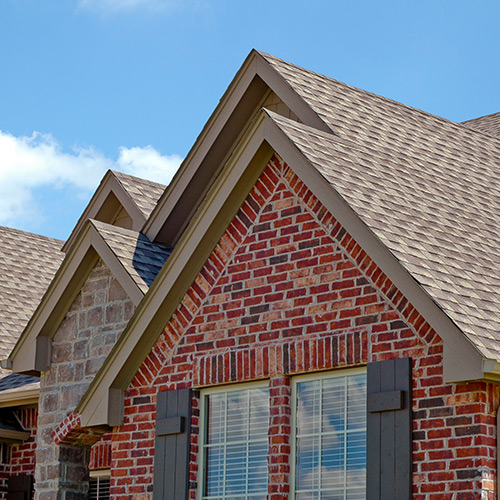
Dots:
(330, 438)
(236, 445)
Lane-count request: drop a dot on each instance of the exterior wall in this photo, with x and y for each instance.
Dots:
(90, 329)
(288, 291)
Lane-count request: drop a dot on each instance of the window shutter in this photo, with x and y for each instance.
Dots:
(389, 430)
(20, 487)
(172, 442)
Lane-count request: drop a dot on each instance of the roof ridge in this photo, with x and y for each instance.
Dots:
(119, 174)
(372, 94)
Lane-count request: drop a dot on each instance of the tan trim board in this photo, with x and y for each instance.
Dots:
(19, 397)
(13, 436)
(212, 218)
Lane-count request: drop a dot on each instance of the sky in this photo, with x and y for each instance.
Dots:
(89, 85)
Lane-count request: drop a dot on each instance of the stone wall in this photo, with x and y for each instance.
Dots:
(91, 327)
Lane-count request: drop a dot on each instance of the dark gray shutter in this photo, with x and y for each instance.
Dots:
(389, 430)
(172, 442)
(20, 487)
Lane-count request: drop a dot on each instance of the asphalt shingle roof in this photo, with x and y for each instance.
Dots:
(429, 188)
(145, 194)
(141, 258)
(489, 124)
(28, 262)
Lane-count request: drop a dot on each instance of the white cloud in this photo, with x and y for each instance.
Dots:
(147, 163)
(36, 163)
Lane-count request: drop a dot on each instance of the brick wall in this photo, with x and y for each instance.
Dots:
(287, 291)
(19, 458)
(88, 332)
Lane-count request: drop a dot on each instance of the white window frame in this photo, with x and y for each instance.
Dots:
(293, 434)
(203, 427)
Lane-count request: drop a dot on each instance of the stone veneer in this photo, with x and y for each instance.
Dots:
(91, 327)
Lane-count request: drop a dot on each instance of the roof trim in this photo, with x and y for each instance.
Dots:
(31, 354)
(214, 145)
(14, 436)
(19, 397)
(102, 207)
(102, 403)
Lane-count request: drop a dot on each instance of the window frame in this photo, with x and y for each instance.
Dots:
(203, 427)
(99, 475)
(293, 403)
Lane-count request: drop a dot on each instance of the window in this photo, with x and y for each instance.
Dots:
(235, 443)
(99, 484)
(329, 436)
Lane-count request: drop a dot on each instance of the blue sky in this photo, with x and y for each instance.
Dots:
(88, 85)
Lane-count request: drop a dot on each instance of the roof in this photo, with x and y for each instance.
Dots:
(141, 258)
(144, 193)
(429, 188)
(28, 262)
(489, 124)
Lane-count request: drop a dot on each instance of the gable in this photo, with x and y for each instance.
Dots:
(102, 401)
(288, 291)
(131, 257)
(285, 273)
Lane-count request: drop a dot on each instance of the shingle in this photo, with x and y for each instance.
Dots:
(28, 262)
(437, 211)
(141, 258)
(489, 124)
(145, 194)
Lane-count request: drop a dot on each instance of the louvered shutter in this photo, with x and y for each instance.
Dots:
(171, 467)
(20, 487)
(389, 430)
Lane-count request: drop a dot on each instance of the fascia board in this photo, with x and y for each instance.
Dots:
(462, 360)
(14, 436)
(19, 397)
(254, 65)
(109, 184)
(173, 281)
(61, 293)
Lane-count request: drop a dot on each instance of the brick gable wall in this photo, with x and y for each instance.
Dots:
(287, 291)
